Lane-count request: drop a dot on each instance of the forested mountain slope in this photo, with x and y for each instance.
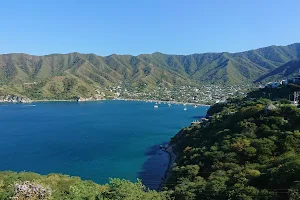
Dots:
(288, 70)
(86, 72)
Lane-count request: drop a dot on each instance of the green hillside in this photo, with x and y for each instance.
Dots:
(248, 150)
(288, 70)
(74, 74)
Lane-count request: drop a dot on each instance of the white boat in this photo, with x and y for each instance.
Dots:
(185, 108)
(195, 106)
(155, 106)
(169, 104)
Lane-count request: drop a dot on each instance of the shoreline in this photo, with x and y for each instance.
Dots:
(118, 99)
(162, 101)
(169, 149)
(172, 158)
(65, 100)
(50, 100)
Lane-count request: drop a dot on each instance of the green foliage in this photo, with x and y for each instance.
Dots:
(34, 91)
(66, 187)
(126, 190)
(285, 101)
(248, 150)
(285, 71)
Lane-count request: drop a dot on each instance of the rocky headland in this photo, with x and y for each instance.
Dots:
(14, 99)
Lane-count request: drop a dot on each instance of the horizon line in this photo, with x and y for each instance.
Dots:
(220, 52)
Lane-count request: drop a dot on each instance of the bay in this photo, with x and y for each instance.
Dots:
(92, 140)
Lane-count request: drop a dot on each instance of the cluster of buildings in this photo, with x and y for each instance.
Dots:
(294, 80)
(203, 94)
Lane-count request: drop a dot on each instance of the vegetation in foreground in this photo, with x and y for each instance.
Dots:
(27, 185)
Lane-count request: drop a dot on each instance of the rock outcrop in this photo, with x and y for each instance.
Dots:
(93, 98)
(14, 99)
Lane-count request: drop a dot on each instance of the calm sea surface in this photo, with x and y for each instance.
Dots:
(93, 140)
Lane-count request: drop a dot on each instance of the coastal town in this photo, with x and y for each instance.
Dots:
(207, 94)
(293, 80)
(204, 94)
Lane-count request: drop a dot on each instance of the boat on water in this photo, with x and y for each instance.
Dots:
(195, 106)
(185, 108)
(155, 106)
(169, 104)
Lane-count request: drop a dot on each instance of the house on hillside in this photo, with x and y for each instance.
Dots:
(272, 84)
(295, 80)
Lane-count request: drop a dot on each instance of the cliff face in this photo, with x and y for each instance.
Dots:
(14, 99)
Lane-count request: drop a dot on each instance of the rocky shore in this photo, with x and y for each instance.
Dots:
(172, 157)
(14, 99)
(19, 99)
(169, 149)
(90, 99)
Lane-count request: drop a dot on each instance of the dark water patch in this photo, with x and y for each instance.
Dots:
(198, 117)
(155, 167)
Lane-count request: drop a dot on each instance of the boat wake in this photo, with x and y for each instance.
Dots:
(29, 105)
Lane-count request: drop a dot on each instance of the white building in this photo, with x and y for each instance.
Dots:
(272, 84)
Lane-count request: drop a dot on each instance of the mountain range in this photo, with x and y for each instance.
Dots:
(62, 75)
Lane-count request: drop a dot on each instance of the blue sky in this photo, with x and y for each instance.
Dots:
(146, 26)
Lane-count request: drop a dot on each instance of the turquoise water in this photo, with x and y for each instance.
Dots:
(93, 140)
